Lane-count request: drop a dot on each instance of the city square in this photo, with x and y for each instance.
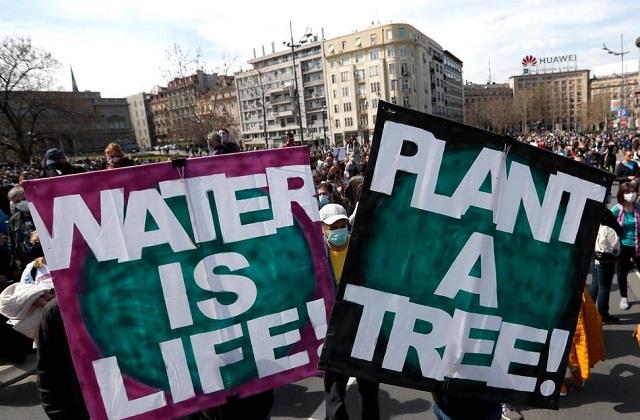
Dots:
(180, 186)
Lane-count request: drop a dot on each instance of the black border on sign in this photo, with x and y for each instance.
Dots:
(345, 317)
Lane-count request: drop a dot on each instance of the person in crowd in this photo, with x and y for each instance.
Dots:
(56, 164)
(220, 147)
(610, 156)
(607, 251)
(627, 170)
(335, 230)
(327, 194)
(627, 213)
(290, 141)
(115, 156)
(587, 345)
(15, 195)
(21, 228)
(352, 168)
(58, 386)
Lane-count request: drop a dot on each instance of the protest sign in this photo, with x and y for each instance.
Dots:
(180, 286)
(466, 262)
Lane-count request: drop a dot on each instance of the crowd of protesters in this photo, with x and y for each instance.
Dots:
(338, 174)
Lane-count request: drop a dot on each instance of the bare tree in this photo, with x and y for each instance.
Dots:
(206, 109)
(24, 70)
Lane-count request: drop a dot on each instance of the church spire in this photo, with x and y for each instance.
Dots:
(74, 85)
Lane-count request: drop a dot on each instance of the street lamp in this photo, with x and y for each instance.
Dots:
(620, 53)
(293, 46)
(264, 110)
(324, 127)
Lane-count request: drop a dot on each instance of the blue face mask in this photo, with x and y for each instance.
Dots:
(338, 237)
(323, 200)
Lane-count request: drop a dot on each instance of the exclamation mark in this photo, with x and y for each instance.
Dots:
(318, 318)
(557, 345)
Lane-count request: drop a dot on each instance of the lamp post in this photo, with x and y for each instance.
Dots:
(324, 127)
(620, 53)
(264, 110)
(293, 46)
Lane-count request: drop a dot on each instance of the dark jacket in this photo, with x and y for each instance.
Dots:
(58, 385)
(623, 172)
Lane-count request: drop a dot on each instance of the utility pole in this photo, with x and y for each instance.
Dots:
(264, 110)
(620, 53)
(296, 94)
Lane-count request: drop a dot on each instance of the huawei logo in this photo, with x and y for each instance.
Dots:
(529, 60)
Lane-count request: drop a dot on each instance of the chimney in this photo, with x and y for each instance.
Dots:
(322, 33)
(263, 54)
(273, 47)
(254, 53)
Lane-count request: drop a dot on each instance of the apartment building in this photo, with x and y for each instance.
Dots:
(606, 89)
(266, 97)
(141, 119)
(453, 87)
(488, 105)
(218, 107)
(393, 62)
(174, 108)
(553, 100)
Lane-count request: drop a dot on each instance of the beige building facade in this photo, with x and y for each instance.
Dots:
(141, 120)
(607, 88)
(395, 63)
(552, 100)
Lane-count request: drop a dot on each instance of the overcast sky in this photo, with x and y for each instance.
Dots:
(118, 47)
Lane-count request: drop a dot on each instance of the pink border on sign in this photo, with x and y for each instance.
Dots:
(69, 282)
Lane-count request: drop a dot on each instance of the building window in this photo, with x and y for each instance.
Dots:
(374, 103)
(344, 76)
(404, 52)
(336, 109)
(391, 52)
(373, 71)
(361, 90)
(357, 42)
(364, 120)
(348, 122)
(407, 102)
(344, 44)
(405, 85)
(333, 78)
(394, 100)
(389, 34)
(401, 33)
(374, 54)
(337, 123)
(345, 91)
(373, 38)
(334, 94)
(393, 85)
(359, 74)
(359, 57)
(363, 105)
(392, 68)
(375, 87)
(347, 106)
(333, 64)
(346, 60)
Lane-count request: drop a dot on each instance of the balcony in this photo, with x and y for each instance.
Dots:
(283, 114)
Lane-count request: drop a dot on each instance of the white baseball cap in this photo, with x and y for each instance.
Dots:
(331, 213)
